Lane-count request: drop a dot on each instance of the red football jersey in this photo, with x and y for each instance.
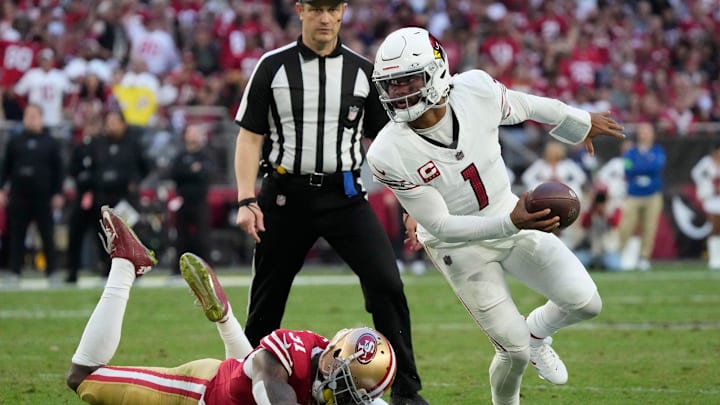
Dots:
(16, 58)
(294, 350)
(233, 46)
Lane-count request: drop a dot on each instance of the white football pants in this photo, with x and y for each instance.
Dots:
(476, 273)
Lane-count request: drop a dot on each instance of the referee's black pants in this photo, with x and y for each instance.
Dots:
(296, 215)
(22, 210)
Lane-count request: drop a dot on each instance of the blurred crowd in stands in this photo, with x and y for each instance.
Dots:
(165, 64)
(648, 60)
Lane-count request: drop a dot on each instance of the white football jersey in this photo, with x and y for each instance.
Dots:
(46, 89)
(156, 48)
(706, 176)
(612, 174)
(440, 186)
(565, 171)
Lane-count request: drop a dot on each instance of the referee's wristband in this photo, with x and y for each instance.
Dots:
(246, 201)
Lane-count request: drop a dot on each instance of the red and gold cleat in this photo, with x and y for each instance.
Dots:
(121, 242)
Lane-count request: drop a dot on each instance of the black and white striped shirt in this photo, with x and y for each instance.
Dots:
(314, 109)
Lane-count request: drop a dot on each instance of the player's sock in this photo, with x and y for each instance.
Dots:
(545, 320)
(236, 343)
(102, 332)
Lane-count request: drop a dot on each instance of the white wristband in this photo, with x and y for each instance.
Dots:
(260, 393)
(574, 128)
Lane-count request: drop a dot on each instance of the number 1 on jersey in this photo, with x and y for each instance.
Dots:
(471, 174)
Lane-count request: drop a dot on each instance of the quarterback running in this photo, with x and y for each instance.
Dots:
(441, 157)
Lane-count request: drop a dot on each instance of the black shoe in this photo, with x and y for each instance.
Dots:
(414, 399)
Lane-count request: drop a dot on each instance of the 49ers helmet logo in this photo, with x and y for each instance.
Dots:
(367, 344)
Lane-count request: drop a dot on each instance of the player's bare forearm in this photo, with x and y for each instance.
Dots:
(270, 383)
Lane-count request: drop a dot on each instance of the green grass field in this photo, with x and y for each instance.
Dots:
(656, 342)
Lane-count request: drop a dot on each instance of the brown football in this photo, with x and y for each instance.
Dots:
(561, 199)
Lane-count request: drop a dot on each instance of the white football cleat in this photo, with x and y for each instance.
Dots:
(547, 363)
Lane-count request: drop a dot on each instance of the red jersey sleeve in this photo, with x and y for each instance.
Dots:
(295, 350)
(232, 384)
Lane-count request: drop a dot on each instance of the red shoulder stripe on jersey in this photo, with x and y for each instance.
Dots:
(397, 185)
(275, 345)
(503, 101)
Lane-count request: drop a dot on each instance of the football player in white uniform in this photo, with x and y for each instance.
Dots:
(706, 176)
(441, 157)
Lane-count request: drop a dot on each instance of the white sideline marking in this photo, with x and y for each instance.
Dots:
(624, 277)
(624, 389)
(44, 314)
(420, 326)
(161, 281)
(587, 325)
(570, 387)
(155, 280)
(648, 326)
(664, 299)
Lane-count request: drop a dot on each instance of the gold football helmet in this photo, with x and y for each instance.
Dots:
(357, 366)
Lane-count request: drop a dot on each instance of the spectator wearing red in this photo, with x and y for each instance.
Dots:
(584, 63)
(499, 51)
(677, 117)
(17, 57)
(185, 82)
(549, 25)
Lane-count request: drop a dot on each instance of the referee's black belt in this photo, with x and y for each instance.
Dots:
(318, 180)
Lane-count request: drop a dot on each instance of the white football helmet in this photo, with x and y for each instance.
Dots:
(357, 367)
(404, 53)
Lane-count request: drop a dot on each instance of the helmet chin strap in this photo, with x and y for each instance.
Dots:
(323, 395)
(443, 102)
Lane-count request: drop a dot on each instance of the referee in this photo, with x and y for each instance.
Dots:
(304, 110)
